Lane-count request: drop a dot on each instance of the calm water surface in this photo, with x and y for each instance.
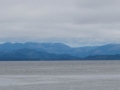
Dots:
(60, 75)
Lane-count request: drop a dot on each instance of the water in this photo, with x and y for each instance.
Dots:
(60, 75)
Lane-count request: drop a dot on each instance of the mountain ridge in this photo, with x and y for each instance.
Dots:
(31, 54)
(60, 48)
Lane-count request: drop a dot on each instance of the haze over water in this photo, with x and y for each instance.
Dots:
(60, 75)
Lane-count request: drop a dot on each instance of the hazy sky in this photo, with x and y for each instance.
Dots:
(75, 22)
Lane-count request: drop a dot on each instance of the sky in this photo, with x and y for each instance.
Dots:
(73, 22)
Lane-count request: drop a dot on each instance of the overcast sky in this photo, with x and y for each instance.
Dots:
(74, 22)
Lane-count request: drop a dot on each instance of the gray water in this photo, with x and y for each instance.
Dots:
(60, 75)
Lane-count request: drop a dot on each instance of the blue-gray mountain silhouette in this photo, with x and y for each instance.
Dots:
(31, 54)
(58, 50)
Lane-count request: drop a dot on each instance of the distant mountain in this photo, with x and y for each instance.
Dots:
(60, 48)
(47, 47)
(103, 57)
(109, 49)
(82, 51)
(57, 48)
(31, 54)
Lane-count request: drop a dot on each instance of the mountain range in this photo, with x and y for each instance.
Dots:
(56, 51)
(31, 54)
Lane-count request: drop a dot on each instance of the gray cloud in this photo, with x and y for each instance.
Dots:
(75, 22)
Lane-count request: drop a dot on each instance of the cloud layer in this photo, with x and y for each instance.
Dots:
(76, 22)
